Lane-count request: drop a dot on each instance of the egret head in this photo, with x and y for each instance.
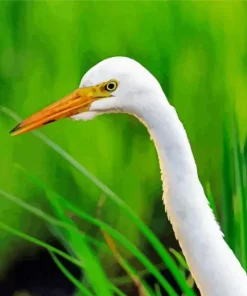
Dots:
(117, 84)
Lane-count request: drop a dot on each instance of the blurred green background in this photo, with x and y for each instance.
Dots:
(198, 52)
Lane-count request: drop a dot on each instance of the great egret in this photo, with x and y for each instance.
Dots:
(120, 84)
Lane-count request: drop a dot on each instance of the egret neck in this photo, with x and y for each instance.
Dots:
(215, 268)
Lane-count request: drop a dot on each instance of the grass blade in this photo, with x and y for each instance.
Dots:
(228, 223)
(164, 254)
(94, 271)
(239, 175)
(141, 286)
(118, 236)
(64, 270)
(180, 259)
(40, 243)
(145, 261)
(211, 199)
(157, 290)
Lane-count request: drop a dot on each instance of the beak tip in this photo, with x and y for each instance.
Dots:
(16, 128)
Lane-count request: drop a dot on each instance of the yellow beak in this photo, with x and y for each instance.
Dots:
(74, 103)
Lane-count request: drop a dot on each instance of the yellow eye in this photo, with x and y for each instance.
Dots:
(111, 85)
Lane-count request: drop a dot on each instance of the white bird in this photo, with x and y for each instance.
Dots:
(120, 84)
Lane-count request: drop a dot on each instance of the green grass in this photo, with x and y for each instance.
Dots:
(197, 52)
(54, 200)
(76, 242)
(81, 247)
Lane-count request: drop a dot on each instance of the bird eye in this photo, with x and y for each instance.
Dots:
(111, 86)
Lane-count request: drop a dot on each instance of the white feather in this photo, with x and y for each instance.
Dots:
(215, 268)
(85, 116)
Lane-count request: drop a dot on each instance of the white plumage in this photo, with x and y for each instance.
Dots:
(213, 265)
